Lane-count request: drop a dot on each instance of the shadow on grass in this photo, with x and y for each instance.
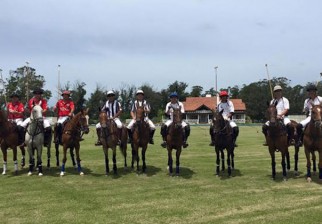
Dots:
(223, 175)
(291, 175)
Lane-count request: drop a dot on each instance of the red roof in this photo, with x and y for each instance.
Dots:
(194, 103)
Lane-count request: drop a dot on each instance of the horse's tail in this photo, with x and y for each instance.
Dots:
(123, 145)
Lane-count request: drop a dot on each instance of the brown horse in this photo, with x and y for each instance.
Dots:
(109, 139)
(175, 140)
(9, 139)
(141, 132)
(313, 139)
(72, 136)
(276, 139)
(223, 136)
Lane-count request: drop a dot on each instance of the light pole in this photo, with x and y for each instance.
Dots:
(216, 79)
(2, 87)
(58, 84)
(27, 81)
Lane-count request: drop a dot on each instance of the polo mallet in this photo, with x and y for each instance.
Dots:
(269, 81)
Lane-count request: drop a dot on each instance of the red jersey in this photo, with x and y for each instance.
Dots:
(17, 107)
(64, 107)
(33, 101)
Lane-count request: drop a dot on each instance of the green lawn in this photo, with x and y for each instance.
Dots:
(196, 196)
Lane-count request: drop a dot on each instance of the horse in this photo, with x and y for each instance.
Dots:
(174, 140)
(72, 136)
(312, 139)
(223, 136)
(9, 139)
(58, 143)
(35, 139)
(141, 133)
(276, 139)
(109, 139)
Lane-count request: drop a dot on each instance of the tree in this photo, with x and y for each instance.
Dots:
(78, 93)
(23, 81)
(196, 91)
(126, 94)
(211, 92)
(95, 103)
(179, 87)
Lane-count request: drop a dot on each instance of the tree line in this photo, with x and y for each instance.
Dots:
(255, 95)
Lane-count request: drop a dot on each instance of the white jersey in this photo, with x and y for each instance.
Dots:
(226, 107)
(172, 106)
(282, 104)
(308, 103)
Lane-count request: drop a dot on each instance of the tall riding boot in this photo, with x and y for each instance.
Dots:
(98, 133)
(235, 135)
(130, 134)
(47, 136)
(151, 136)
(289, 130)
(265, 132)
(164, 136)
(299, 129)
(60, 133)
(186, 133)
(119, 136)
(21, 135)
(211, 132)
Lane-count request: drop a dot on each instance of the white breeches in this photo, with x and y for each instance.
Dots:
(18, 121)
(117, 122)
(305, 121)
(286, 121)
(169, 122)
(27, 121)
(61, 120)
(151, 125)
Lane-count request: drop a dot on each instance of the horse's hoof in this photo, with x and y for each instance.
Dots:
(62, 173)
(81, 173)
(29, 173)
(309, 179)
(4, 173)
(296, 173)
(284, 179)
(40, 174)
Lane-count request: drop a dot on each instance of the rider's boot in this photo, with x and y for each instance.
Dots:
(151, 141)
(186, 133)
(211, 132)
(47, 136)
(235, 135)
(265, 132)
(98, 133)
(299, 129)
(164, 135)
(129, 132)
(21, 135)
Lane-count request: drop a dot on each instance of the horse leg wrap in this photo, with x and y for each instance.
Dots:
(151, 136)
(98, 133)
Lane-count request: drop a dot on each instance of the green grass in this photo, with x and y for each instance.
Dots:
(196, 196)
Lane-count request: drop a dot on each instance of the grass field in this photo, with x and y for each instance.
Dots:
(196, 196)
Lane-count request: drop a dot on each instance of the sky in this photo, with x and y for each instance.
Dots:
(157, 42)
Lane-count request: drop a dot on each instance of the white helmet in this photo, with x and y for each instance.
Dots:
(110, 93)
(139, 92)
(277, 88)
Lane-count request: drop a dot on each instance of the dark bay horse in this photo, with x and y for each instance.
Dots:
(141, 132)
(313, 139)
(8, 139)
(276, 139)
(72, 136)
(109, 139)
(175, 140)
(223, 136)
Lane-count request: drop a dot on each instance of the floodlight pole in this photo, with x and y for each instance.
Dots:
(58, 84)
(27, 81)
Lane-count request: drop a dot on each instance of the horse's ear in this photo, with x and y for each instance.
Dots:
(99, 108)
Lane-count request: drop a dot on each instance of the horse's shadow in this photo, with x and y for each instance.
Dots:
(224, 174)
(150, 171)
(291, 175)
(185, 173)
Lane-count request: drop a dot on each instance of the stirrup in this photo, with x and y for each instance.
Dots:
(185, 144)
(164, 144)
(98, 143)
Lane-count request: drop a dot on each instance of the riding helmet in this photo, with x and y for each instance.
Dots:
(139, 92)
(66, 92)
(110, 93)
(311, 87)
(38, 91)
(173, 94)
(223, 93)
